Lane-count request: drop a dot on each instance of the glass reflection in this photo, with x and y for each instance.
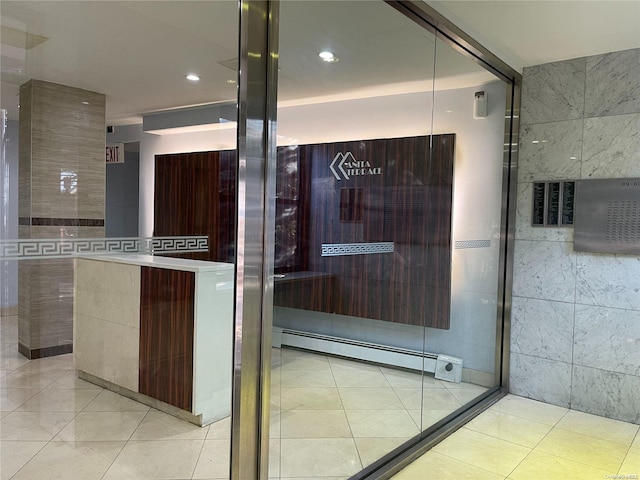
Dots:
(109, 352)
(386, 326)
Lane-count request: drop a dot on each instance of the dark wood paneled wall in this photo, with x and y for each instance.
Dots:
(195, 195)
(166, 335)
(407, 201)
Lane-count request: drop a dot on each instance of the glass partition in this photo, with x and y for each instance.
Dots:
(388, 236)
(118, 238)
(124, 195)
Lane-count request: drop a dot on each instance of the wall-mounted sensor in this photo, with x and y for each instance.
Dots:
(480, 105)
(110, 129)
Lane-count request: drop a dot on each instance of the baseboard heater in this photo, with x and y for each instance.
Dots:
(444, 367)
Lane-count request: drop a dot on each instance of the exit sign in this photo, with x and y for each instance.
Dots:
(115, 153)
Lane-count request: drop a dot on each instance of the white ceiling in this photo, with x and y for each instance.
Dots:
(138, 52)
(525, 33)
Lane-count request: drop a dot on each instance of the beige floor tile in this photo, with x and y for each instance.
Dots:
(354, 377)
(33, 426)
(71, 461)
(437, 466)
(314, 424)
(49, 364)
(220, 430)
(175, 459)
(402, 378)
(161, 426)
(530, 409)
(274, 425)
(465, 395)
(424, 419)
(12, 398)
(461, 385)
(306, 378)
(636, 441)
(595, 426)
(372, 449)
(370, 399)
(326, 398)
(12, 360)
(592, 451)
(510, 428)
(297, 360)
(311, 457)
(14, 455)
(214, 460)
(274, 459)
(631, 464)
(101, 427)
(60, 400)
(539, 466)
(26, 378)
(429, 398)
(70, 380)
(108, 401)
(381, 423)
(483, 451)
(348, 363)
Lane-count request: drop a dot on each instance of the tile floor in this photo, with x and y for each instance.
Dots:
(330, 417)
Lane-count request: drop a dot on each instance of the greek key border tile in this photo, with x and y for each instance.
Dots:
(473, 244)
(340, 249)
(30, 249)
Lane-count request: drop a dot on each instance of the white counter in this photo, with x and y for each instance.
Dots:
(107, 308)
(183, 264)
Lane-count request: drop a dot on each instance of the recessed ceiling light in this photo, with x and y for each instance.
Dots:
(328, 56)
(86, 103)
(231, 82)
(193, 77)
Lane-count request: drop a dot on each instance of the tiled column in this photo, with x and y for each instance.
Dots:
(62, 186)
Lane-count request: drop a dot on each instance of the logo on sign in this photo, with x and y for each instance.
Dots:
(348, 167)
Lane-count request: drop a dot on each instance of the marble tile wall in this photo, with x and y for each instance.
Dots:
(575, 338)
(62, 188)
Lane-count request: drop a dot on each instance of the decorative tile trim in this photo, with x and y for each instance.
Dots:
(61, 222)
(473, 244)
(340, 249)
(35, 353)
(30, 249)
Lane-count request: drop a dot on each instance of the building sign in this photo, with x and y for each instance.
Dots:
(115, 153)
(347, 167)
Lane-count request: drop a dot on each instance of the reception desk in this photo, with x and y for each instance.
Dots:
(157, 329)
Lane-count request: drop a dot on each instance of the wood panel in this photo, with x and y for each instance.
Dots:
(192, 196)
(405, 196)
(166, 335)
(407, 199)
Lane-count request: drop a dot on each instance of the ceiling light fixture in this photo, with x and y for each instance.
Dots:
(328, 57)
(193, 77)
